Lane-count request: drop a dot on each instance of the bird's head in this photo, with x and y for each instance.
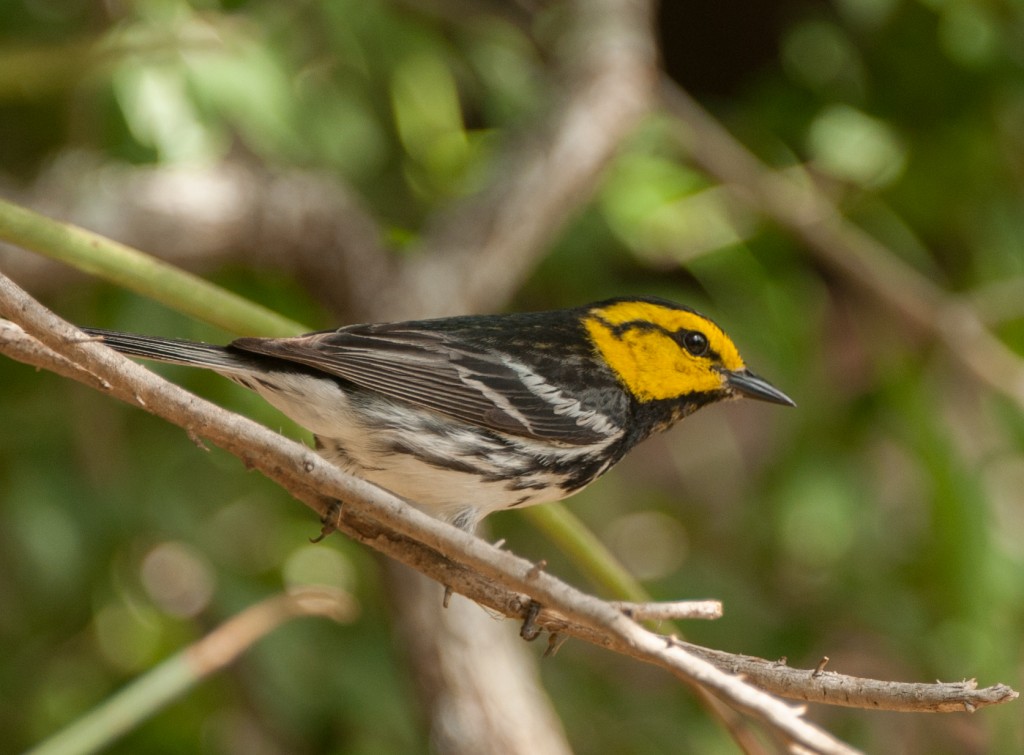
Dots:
(663, 351)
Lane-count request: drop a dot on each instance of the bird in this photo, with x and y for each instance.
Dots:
(467, 415)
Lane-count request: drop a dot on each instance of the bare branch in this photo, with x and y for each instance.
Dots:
(18, 345)
(819, 686)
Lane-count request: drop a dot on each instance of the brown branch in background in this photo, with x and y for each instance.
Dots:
(225, 643)
(478, 251)
(808, 214)
(482, 682)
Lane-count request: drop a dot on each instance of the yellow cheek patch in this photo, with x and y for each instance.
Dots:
(648, 361)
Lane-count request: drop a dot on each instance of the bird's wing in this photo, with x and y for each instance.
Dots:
(470, 382)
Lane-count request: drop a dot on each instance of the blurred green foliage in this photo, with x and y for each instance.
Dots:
(880, 523)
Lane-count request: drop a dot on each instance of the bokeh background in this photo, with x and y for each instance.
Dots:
(880, 523)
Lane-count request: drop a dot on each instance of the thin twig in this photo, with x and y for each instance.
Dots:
(819, 686)
(671, 610)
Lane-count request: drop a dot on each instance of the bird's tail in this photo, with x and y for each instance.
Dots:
(177, 351)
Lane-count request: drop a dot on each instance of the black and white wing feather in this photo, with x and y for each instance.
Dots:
(469, 381)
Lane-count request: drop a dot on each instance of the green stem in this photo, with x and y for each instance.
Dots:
(158, 687)
(128, 267)
(124, 710)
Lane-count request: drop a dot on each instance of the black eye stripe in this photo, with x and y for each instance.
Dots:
(622, 327)
(679, 336)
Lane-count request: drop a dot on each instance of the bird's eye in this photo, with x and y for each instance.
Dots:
(695, 342)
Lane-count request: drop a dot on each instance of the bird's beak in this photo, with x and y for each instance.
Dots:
(745, 383)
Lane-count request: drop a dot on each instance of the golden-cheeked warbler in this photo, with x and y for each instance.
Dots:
(462, 416)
